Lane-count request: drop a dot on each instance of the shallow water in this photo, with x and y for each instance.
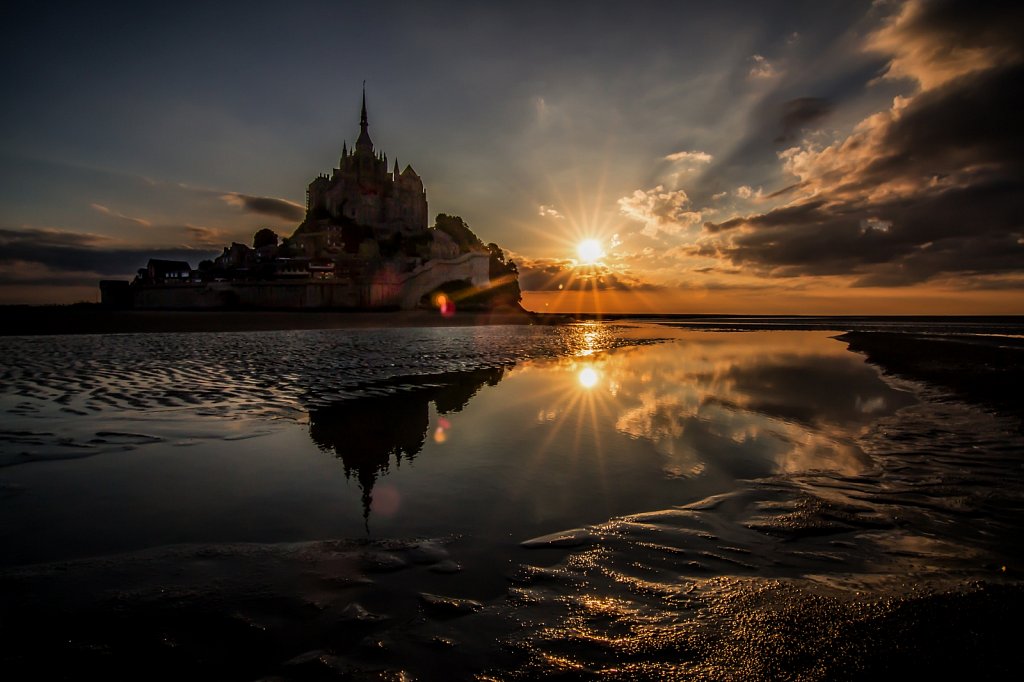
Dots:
(576, 501)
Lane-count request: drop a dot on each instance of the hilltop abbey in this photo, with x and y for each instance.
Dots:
(364, 243)
(362, 190)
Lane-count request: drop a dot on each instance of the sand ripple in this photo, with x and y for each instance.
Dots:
(261, 370)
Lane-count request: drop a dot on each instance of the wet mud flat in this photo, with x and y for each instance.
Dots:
(883, 540)
(986, 370)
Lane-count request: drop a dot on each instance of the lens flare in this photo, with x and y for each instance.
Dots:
(445, 304)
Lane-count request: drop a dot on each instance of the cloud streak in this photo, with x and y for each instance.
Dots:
(57, 251)
(140, 222)
(278, 208)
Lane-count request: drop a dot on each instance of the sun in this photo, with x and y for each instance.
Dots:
(588, 377)
(589, 251)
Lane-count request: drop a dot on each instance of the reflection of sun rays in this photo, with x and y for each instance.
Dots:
(578, 400)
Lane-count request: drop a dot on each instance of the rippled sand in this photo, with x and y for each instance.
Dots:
(830, 525)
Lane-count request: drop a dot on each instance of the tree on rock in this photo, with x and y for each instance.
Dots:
(456, 228)
(264, 237)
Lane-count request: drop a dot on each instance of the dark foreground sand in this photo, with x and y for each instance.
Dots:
(985, 370)
(95, 319)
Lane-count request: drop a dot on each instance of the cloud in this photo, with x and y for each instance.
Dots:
(24, 273)
(45, 237)
(206, 236)
(761, 68)
(279, 208)
(100, 208)
(934, 42)
(549, 212)
(928, 188)
(551, 274)
(660, 210)
(801, 113)
(690, 157)
(719, 195)
(58, 251)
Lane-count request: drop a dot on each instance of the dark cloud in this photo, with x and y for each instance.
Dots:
(59, 251)
(802, 113)
(46, 238)
(974, 229)
(564, 275)
(932, 187)
(279, 208)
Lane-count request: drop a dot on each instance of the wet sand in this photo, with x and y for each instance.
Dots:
(96, 319)
(908, 565)
(986, 370)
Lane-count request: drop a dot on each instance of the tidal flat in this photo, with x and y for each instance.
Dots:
(602, 500)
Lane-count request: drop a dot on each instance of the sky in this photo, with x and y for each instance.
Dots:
(730, 157)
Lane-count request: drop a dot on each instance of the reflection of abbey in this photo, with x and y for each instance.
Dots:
(364, 243)
(363, 190)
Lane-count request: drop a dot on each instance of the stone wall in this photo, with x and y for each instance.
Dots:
(387, 289)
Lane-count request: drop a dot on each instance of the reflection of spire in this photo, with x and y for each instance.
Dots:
(364, 143)
(364, 434)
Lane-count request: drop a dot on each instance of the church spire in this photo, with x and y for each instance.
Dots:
(362, 116)
(364, 143)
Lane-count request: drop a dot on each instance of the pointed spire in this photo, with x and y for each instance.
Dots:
(364, 143)
(362, 116)
(344, 149)
(396, 167)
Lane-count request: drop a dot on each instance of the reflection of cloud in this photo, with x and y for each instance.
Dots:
(941, 169)
(279, 208)
(749, 405)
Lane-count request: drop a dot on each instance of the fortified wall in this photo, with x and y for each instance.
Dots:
(386, 289)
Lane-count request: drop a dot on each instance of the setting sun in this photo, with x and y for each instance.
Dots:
(589, 251)
(588, 377)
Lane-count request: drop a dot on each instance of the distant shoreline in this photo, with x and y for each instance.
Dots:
(96, 319)
(92, 318)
